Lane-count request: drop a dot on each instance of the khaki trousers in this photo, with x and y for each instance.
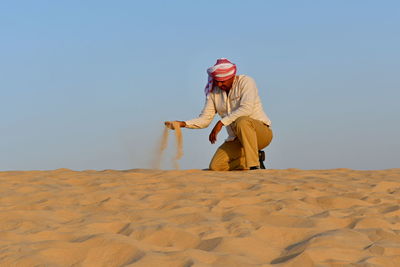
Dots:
(242, 153)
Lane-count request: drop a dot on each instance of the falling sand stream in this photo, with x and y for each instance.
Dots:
(164, 143)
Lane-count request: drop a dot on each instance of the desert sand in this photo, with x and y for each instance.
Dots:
(197, 218)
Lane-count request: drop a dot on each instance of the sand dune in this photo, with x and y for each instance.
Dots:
(196, 218)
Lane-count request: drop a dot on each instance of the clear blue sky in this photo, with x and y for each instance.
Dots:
(87, 84)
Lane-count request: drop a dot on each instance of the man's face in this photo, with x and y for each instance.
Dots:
(225, 85)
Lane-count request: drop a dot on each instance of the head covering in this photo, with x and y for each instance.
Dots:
(222, 70)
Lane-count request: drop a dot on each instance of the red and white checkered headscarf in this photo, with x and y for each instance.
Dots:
(222, 70)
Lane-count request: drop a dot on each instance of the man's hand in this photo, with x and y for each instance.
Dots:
(170, 125)
(213, 135)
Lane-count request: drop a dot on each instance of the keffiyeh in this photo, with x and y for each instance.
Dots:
(222, 70)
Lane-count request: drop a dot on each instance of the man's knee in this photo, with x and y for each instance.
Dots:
(217, 166)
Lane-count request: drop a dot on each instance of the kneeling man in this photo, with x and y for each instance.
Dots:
(235, 98)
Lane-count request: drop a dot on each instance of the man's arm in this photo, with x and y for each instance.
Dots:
(206, 116)
(213, 135)
(204, 119)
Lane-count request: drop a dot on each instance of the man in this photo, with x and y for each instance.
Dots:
(235, 98)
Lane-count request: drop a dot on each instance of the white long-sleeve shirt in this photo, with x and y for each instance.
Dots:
(243, 100)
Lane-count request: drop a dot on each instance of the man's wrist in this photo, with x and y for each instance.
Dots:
(225, 121)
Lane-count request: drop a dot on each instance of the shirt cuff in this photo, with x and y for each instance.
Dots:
(190, 125)
(226, 121)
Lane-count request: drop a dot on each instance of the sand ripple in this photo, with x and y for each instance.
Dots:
(198, 218)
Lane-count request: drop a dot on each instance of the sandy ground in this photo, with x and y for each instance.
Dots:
(199, 218)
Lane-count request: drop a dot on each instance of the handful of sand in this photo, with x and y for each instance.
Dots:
(171, 125)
